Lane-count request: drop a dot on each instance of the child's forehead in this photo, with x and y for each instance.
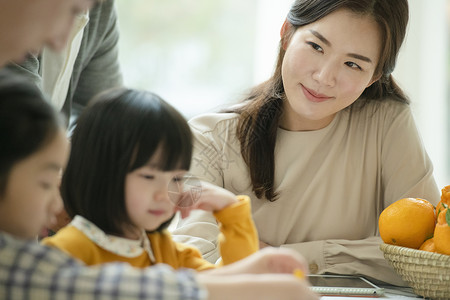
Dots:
(158, 168)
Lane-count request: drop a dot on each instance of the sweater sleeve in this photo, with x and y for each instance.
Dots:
(97, 65)
(348, 257)
(238, 238)
(407, 170)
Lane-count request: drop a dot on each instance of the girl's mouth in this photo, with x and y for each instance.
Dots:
(157, 212)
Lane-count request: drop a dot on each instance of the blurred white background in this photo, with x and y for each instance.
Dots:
(201, 55)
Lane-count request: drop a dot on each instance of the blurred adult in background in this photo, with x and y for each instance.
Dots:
(27, 25)
(76, 64)
(81, 68)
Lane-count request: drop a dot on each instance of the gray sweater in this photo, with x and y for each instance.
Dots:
(96, 67)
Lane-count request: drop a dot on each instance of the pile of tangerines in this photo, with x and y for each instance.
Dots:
(416, 223)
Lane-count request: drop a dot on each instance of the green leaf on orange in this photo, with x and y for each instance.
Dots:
(447, 217)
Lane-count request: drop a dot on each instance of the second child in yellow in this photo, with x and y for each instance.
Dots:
(128, 148)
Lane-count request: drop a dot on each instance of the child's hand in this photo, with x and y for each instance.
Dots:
(267, 261)
(266, 274)
(211, 198)
(275, 260)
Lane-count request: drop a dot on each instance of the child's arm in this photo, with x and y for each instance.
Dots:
(267, 274)
(211, 198)
(256, 287)
(238, 237)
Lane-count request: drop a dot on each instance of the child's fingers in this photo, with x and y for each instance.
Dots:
(184, 211)
(204, 205)
(282, 260)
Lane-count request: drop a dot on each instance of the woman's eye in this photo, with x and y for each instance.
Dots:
(146, 176)
(315, 46)
(46, 185)
(353, 65)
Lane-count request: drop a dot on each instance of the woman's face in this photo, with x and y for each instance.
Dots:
(31, 198)
(27, 25)
(326, 67)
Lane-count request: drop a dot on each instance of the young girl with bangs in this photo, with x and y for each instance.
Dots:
(129, 150)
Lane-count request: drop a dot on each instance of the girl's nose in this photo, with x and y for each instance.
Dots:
(56, 205)
(162, 195)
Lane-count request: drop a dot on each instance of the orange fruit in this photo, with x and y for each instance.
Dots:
(440, 207)
(428, 245)
(445, 195)
(442, 233)
(407, 222)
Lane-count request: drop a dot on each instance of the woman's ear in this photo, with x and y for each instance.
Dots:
(283, 31)
(374, 79)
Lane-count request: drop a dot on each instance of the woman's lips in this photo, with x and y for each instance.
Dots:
(313, 96)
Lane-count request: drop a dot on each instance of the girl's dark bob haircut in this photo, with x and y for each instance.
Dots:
(117, 133)
(27, 122)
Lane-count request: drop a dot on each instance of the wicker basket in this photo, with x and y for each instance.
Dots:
(426, 272)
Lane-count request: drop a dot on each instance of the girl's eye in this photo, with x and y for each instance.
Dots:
(146, 176)
(315, 46)
(178, 178)
(353, 65)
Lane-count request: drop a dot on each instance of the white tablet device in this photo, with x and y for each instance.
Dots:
(341, 285)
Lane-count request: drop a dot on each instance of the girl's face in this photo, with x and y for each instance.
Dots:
(327, 66)
(27, 25)
(32, 199)
(147, 197)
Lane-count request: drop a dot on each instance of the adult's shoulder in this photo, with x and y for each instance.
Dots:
(107, 6)
(102, 23)
(211, 122)
(387, 108)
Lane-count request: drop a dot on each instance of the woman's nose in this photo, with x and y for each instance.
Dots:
(326, 74)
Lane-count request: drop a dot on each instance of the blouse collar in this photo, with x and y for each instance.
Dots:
(117, 245)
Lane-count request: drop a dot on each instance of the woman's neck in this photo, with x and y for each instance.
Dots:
(296, 123)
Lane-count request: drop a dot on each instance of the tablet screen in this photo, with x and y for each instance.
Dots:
(343, 285)
(338, 281)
